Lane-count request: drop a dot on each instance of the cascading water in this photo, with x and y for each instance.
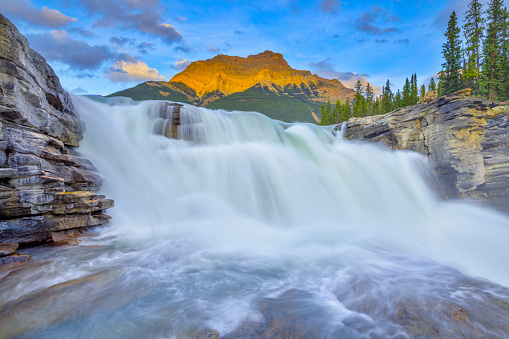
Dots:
(244, 223)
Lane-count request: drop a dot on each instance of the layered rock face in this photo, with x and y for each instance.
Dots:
(46, 188)
(465, 138)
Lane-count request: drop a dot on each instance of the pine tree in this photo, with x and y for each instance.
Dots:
(473, 31)
(344, 112)
(323, 118)
(432, 86)
(359, 103)
(398, 99)
(370, 93)
(405, 96)
(423, 91)
(387, 99)
(492, 66)
(414, 92)
(328, 113)
(504, 74)
(450, 75)
(337, 109)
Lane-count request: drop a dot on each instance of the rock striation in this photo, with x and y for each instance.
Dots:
(465, 138)
(45, 186)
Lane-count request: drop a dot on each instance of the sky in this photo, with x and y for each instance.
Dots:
(103, 46)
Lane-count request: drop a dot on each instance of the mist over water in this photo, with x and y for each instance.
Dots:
(244, 214)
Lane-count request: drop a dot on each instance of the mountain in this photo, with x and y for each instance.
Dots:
(264, 83)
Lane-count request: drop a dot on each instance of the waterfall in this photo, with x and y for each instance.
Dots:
(239, 209)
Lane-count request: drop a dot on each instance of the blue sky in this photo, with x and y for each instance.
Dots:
(102, 46)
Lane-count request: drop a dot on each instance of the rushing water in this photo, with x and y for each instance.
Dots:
(245, 220)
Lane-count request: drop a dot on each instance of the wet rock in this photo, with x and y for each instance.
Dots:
(14, 260)
(45, 186)
(203, 334)
(7, 249)
(465, 138)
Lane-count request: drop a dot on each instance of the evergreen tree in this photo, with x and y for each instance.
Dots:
(329, 113)
(370, 93)
(323, 118)
(414, 92)
(344, 112)
(473, 31)
(398, 100)
(387, 99)
(492, 67)
(335, 114)
(405, 96)
(450, 75)
(432, 86)
(423, 91)
(504, 74)
(359, 103)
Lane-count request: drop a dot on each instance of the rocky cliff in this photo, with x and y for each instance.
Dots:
(465, 138)
(47, 191)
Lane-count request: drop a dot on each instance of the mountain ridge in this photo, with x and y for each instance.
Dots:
(268, 83)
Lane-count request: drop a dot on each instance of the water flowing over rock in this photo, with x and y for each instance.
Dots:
(45, 186)
(465, 138)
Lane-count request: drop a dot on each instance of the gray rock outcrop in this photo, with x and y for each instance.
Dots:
(45, 186)
(465, 138)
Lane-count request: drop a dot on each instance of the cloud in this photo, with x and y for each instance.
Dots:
(183, 48)
(24, 10)
(121, 41)
(78, 55)
(144, 47)
(239, 33)
(212, 49)
(381, 41)
(180, 18)
(79, 90)
(181, 64)
(143, 16)
(371, 20)
(403, 41)
(82, 32)
(330, 6)
(325, 69)
(129, 69)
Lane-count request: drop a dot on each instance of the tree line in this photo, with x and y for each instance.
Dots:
(365, 103)
(479, 60)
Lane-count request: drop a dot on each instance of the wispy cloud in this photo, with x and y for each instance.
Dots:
(213, 49)
(83, 32)
(181, 64)
(373, 20)
(403, 41)
(330, 6)
(26, 11)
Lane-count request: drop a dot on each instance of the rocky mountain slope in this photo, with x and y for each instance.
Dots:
(264, 83)
(465, 138)
(47, 191)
